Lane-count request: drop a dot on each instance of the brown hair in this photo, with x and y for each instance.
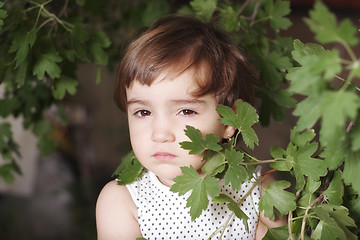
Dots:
(177, 43)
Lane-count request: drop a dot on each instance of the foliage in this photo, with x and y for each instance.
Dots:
(43, 43)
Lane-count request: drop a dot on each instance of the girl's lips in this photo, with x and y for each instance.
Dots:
(163, 156)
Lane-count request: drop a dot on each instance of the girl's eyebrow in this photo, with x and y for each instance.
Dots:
(137, 101)
(174, 101)
(188, 101)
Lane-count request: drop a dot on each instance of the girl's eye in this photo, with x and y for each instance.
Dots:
(142, 113)
(187, 112)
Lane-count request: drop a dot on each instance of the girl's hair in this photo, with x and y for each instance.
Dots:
(174, 44)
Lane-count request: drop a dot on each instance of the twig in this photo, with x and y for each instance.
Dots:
(239, 203)
(256, 9)
(302, 233)
(243, 7)
(290, 218)
(64, 9)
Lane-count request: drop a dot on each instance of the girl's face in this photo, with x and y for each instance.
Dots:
(158, 115)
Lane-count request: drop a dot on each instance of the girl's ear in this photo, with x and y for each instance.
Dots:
(229, 132)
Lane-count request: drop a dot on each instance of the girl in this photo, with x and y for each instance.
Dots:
(172, 76)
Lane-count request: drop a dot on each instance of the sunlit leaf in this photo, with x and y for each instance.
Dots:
(200, 188)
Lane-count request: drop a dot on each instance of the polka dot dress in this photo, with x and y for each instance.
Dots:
(163, 214)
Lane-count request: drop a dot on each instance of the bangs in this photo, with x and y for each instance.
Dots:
(174, 45)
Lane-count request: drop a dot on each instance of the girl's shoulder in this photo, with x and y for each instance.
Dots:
(115, 208)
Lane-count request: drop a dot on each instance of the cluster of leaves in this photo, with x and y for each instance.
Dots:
(42, 44)
(323, 202)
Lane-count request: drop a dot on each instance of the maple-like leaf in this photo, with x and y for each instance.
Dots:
(298, 155)
(63, 85)
(97, 48)
(22, 43)
(5, 134)
(200, 188)
(48, 64)
(355, 137)
(198, 144)
(215, 163)
(317, 65)
(324, 24)
(204, 8)
(236, 174)
(3, 15)
(277, 233)
(333, 223)
(335, 191)
(276, 197)
(351, 171)
(337, 108)
(242, 120)
(276, 11)
(234, 207)
(128, 170)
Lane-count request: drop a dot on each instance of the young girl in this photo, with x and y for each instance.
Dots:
(172, 76)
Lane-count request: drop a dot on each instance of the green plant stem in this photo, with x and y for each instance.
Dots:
(240, 202)
(259, 162)
(302, 233)
(349, 51)
(343, 80)
(290, 219)
(67, 26)
(243, 7)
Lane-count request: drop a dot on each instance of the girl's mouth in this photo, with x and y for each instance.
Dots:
(163, 156)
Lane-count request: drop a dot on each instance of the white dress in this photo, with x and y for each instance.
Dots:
(163, 214)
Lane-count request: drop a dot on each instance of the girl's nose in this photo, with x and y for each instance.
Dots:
(163, 131)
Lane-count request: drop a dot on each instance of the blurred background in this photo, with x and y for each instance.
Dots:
(55, 196)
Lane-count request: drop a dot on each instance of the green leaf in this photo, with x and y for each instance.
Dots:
(281, 164)
(355, 137)
(63, 85)
(155, 10)
(277, 10)
(317, 65)
(204, 8)
(351, 171)
(3, 15)
(311, 167)
(236, 174)
(324, 24)
(5, 133)
(335, 191)
(128, 170)
(335, 150)
(333, 224)
(229, 19)
(98, 75)
(215, 163)
(97, 48)
(277, 233)
(275, 197)
(7, 173)
(337, 108)
(309, 111)
(46, 145)
(243, 120)
(272, 66)
(234, 207)
(48, 64)
(200, 188)
(42, 128)
(312, 185)
(22, 43)
(198, 144)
